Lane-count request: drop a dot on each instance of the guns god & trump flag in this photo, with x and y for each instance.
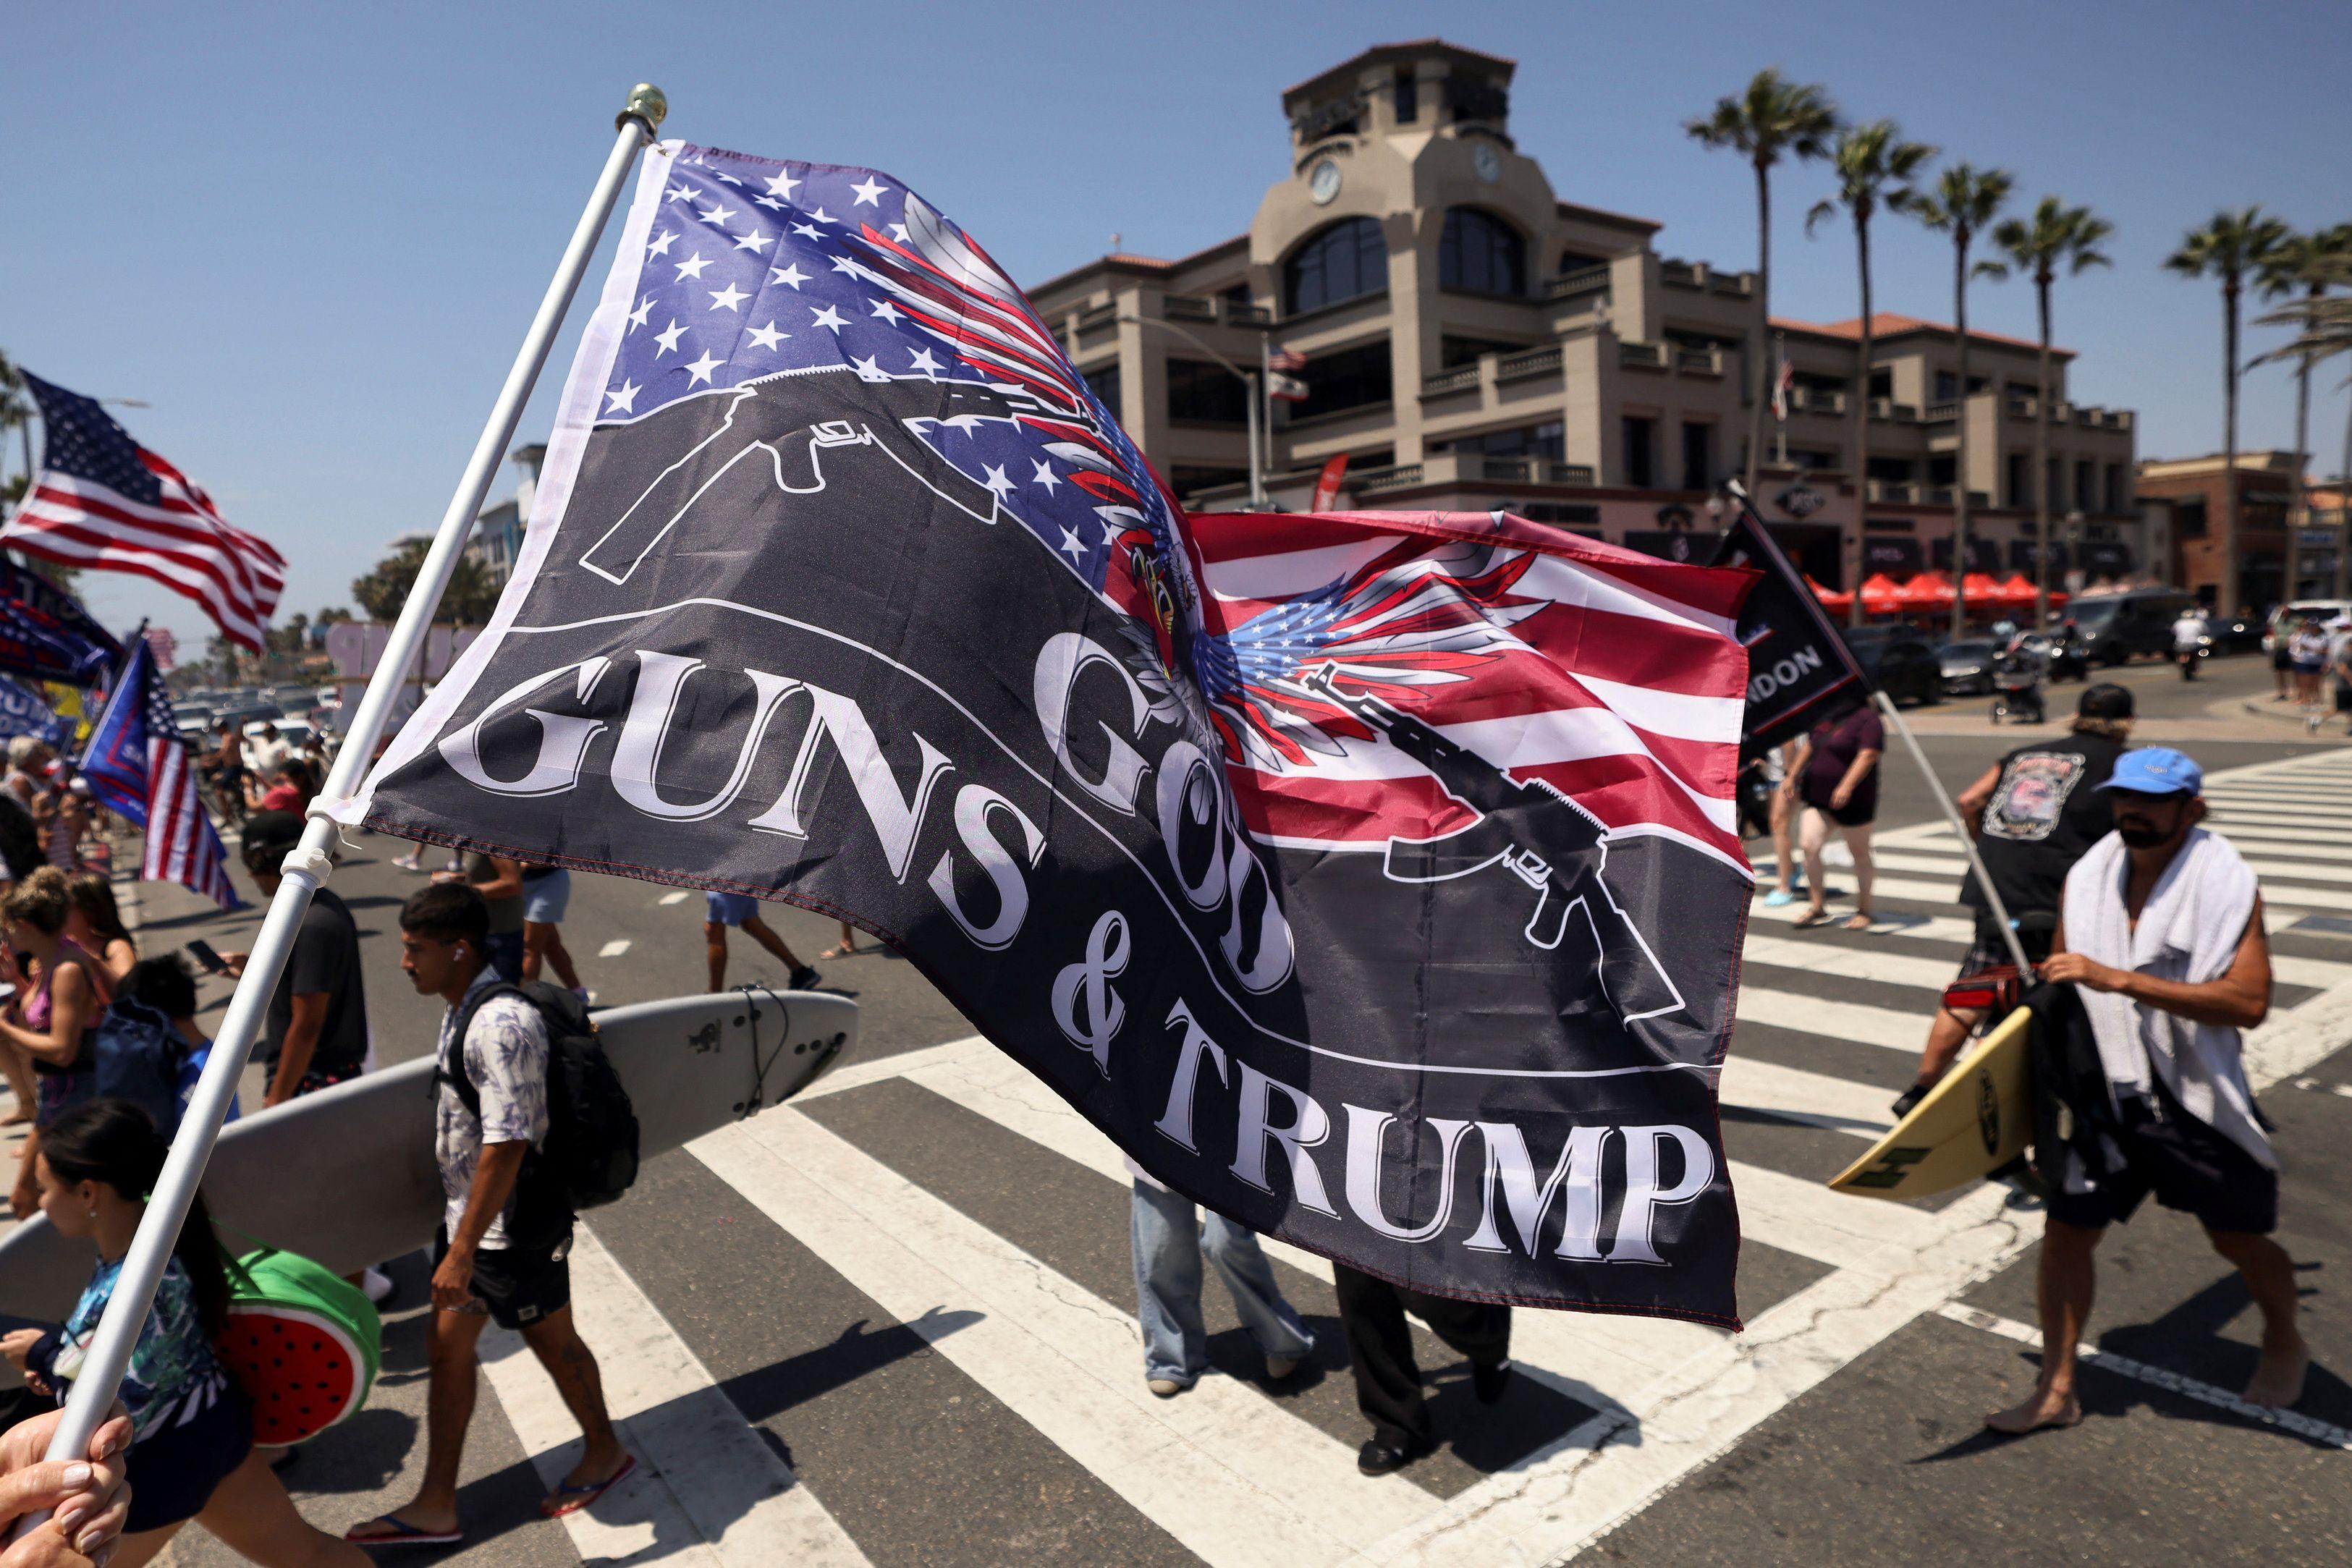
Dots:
(1370, 878)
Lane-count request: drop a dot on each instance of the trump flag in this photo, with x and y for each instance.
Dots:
(1369, 877)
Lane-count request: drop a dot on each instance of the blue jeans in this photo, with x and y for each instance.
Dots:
(1168, 1287)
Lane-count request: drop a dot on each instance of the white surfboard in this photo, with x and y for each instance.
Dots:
(346, 1175)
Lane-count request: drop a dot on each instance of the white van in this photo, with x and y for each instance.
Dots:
(2296, 612)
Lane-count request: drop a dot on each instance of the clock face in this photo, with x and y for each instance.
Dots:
(1323, 182)
(1487, 163)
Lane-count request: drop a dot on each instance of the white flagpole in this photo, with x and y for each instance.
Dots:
(1959, 827)
(308, 865)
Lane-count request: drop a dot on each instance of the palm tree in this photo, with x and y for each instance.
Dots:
(16, 413)
(2057, 235)
(2230, 246)
(1771, 120)
(2308, 261)
(2323, 324)
(1963, 202)
(1868, 160)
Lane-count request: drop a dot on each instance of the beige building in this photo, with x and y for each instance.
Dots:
(1475, 341)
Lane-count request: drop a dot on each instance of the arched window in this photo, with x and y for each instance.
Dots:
(1346, 261)
(1481, 252)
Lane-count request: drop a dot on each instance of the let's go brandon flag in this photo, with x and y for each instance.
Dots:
(1370, 878)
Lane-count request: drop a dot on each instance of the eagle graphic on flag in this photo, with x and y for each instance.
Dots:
(1369, 877)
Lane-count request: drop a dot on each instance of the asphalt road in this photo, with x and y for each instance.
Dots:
(889, 1397)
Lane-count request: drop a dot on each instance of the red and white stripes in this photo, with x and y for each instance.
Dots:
(180, 845)
(181, 542)
(1624, 691)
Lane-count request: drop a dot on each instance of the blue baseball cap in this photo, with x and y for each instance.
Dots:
(2157, 770)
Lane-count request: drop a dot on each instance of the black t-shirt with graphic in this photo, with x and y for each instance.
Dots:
(2045, 812)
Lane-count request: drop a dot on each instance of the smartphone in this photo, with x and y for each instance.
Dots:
(207, 960)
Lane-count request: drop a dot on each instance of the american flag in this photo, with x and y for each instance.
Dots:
(1603, 673)
(103, 502)
(138, 767)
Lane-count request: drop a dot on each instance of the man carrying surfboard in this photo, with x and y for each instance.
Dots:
(2161, 932)
(483, 1272)
(2033, 814)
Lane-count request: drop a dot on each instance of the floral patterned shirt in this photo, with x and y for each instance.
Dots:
(504, 1058)
(174, 1374)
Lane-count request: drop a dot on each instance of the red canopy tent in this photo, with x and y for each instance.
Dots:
(1929, 591)
(1880, 596)
(1834, 599)
(2020, 588)
(1983, 592)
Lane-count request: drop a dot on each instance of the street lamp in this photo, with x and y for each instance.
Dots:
(1248, 380)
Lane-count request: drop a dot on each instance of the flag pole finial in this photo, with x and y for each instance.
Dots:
(647, 104)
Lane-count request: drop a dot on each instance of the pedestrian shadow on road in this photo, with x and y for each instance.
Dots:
(857, 1350)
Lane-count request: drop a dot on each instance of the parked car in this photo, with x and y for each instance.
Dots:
(1964, 666)
(1898, 661)
(2238, 634)
(2118, 627)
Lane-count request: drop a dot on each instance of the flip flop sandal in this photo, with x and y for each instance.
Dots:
(1856, 922)
(400, 1532)
(574, 1499)
(1807, 922)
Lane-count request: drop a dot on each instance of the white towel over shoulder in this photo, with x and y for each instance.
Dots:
(2189, 931)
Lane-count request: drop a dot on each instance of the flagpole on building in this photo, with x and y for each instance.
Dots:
(308, 865)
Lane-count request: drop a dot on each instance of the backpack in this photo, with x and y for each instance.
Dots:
(138, 1057)
(589, 1157)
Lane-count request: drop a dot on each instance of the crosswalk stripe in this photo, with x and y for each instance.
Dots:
(1815, 1099)
(2297, 902)
(2265, 841)
(1802, 1216)
(1592, 1358)
(706, 1488)
(1944, 929)
(1852, 963)
(1845, 1021)
(1232, 1475)
(2284, 878)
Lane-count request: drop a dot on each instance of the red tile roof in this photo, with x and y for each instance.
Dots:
(1886, 324)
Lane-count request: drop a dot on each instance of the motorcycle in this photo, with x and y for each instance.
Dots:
(2190, 658)
(2017, 686)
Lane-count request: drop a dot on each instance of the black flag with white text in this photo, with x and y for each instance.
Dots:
(1371, 878)
(1800, 671)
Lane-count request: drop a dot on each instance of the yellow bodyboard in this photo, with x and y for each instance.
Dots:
(1976, 1120)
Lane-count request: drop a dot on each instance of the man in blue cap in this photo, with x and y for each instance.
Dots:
(2161, 930)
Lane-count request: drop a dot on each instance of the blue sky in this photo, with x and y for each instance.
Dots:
(310, 236)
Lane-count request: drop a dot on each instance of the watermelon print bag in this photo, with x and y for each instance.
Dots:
(304, 1345)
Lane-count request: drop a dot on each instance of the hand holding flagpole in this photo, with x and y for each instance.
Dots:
(308, 865)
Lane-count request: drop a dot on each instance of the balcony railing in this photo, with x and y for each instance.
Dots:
(1642, 356)
(1528, 362)
(1816, 400)
(1893, 490)
(1097, 316)
(1241, 313)
(1462, 378)
(1395, 476)
(1583, 280)
(1681, 273)
(1699, 361)
(1533, 471)
(1738, 285)
(1185, 308)
(1893, 413)
(1942, 410)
